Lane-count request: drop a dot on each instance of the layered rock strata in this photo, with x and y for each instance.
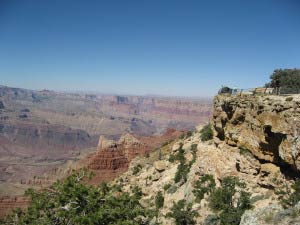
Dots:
(112, 157)
(7, 203)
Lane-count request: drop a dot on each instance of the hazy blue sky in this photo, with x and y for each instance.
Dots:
(162, 47)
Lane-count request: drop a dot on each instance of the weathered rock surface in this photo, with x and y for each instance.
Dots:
(268, 126)
(220, 161)
(272, 214)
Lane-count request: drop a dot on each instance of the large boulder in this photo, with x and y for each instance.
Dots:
(160, 166)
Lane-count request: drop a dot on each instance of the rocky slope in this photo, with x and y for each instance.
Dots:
(268, 126)
(157, 173)
(255, 140)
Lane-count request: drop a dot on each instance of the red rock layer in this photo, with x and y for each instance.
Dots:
(112, 158)
(8, 203)
(109, 159)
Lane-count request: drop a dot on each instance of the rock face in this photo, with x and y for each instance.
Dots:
(7, 203)
(272, 214)
(45, 137)
(113, 157)
(268, 126)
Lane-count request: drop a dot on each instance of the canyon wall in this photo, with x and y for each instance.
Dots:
(41, 130)
(267, 126)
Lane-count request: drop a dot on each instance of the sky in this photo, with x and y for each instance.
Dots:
(146, 47)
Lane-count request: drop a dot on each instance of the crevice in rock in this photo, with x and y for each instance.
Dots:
(228, 109)
(220, 133)
(273, 141)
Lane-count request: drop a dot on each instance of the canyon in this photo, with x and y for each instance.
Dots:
(40, 130)
(254, 140)
(44, 134)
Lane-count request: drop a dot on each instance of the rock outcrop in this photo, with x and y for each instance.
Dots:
(267, 126)
(7, 203)
(112, 157)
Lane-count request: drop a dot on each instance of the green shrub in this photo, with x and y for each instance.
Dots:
(288, 99)
(206, 133)
(289, 196)
(137, 192)
(172, 158)
(136, 169)
(183, 213)
(180, 154)
(222, 200)
(211, 220)
(183, 169)
(181, 173)
(167, 186)
(72, 202)
(194, 153)
(159, 200)
(194, 147)
(230, 216)
(205, 185)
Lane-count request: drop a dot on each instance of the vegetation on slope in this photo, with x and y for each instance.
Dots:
(206, 133)
(205, 185)
(183, 213)
(224, 200)
(289, 196)
(73, 202)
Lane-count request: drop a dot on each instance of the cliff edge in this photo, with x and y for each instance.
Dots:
(267, 126)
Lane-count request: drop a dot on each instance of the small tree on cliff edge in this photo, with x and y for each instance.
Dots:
(289, 80)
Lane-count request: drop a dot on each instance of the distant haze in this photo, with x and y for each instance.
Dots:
(173, 48)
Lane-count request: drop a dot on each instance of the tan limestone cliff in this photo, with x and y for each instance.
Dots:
(268, 126)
